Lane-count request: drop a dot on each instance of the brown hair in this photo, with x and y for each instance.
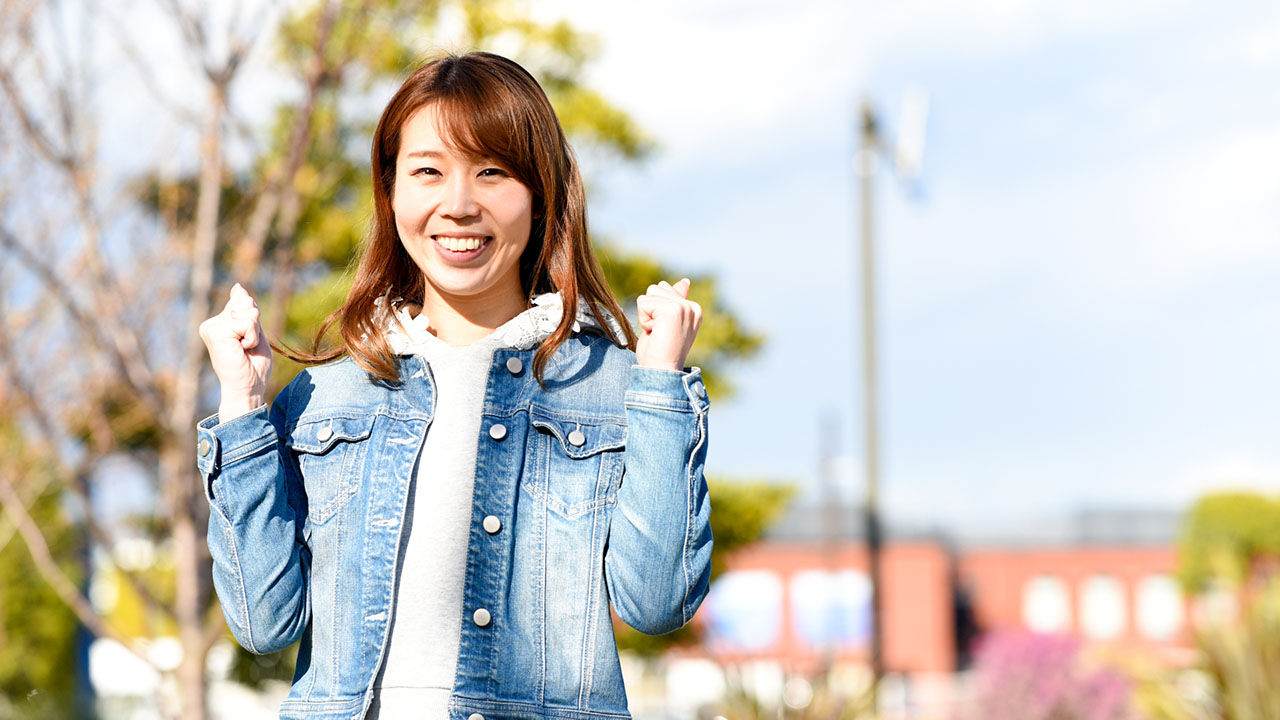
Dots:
(492, 108)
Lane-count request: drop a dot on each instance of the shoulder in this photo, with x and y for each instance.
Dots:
(588, 375)
(329, 389)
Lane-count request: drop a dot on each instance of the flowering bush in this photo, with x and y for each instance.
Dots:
(1027, 676)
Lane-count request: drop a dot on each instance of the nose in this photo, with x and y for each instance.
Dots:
(459, 200)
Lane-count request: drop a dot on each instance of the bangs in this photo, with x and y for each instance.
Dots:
(487, 123)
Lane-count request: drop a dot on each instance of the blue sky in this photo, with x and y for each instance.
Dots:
(1081, 309)
(1078, 310)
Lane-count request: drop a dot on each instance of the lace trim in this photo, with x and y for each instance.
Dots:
(522, 332)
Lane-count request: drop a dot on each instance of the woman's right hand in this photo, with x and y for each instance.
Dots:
(240, 354)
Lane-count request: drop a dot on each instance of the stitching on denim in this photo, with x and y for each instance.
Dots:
(659, 402)
(539, 709)
(244, 596)
(688, 533)
(246, 450)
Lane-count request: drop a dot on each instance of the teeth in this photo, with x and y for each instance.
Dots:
(458, 244)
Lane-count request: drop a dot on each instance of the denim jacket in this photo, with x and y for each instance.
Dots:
(596, 481)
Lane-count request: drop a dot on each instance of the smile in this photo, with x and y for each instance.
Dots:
(461, 244)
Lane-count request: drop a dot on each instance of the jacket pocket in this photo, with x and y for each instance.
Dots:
(330, 453)
(577, 462)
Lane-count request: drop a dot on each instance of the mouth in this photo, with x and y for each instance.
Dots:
(461, 243)
(461, 248)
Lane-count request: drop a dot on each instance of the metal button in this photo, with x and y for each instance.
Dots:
(492, 524)
(497, 431)
(481, 617)
(514, 366)
(204, 447)
(576, 438)
(700, 390)
(475, 716)
(324, 434)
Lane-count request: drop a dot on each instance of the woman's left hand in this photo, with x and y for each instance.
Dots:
(669, 322)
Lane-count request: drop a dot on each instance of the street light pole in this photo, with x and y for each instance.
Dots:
(867, 160)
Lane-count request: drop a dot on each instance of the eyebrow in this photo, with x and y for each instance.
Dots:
(426, 154)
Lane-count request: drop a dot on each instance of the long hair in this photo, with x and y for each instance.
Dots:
(490, 107)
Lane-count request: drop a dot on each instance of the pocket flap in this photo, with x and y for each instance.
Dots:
(317, 436)
(594, 435)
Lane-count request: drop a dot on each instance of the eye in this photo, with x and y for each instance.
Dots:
(493, 172)
(424, 171)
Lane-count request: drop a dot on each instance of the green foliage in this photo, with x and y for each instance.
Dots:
(37, 630)
(1234, 677)
(740, 513)
(1223, 535)
(722, 338)
(1242, 659)
(255, 670)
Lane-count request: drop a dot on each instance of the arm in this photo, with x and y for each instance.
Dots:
(658, 555)
(261, 564)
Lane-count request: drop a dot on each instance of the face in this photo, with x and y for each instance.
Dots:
(464, 222)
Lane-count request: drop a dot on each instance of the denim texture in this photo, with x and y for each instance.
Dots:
(597, 480)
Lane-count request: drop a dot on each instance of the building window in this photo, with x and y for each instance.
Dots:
(1103, 613)
(744, 610)
(1045, 607)
(1160, 609)
(831, 609)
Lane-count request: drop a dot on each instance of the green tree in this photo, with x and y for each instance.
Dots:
(1224, 535)
(37, 633)
(120, 282)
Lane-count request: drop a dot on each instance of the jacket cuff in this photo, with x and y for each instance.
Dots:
(681, 390)
(220, 443)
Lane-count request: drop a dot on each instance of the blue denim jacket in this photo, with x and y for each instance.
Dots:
(596, 479)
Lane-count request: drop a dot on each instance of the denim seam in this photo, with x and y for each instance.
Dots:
(246, 450)
(541, 593)
(542, 709)
(244, 596)
(700, 436)
(586, 666)
(658, 402)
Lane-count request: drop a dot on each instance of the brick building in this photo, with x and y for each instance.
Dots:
(801, 597)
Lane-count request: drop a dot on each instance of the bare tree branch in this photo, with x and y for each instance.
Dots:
(281, 186)
(79, 484)
(128, 363)
(38, 547)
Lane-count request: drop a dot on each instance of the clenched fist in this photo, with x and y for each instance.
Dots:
(669, 322)
(240, 354)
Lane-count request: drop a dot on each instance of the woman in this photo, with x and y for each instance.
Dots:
(445, 507)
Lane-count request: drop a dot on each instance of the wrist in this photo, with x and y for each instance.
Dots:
(234, 406)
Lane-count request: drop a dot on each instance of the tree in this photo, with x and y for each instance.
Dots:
(37, 633)
(1224, 536)
(104, 283)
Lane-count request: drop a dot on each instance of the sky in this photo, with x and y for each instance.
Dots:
(1077, 302)
(1077, 298)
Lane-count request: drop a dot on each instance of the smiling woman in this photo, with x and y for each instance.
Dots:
(465, 222)
(446, 507)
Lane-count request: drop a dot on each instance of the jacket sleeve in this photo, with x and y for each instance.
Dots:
(261, 563)
(658, 557)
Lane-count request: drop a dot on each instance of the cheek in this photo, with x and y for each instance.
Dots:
(517, 212)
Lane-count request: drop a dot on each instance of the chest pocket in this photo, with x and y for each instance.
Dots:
(331, 453)
(577, 464)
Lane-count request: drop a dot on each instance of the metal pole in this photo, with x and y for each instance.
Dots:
(866, 170)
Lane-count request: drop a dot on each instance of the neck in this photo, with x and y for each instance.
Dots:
(463, 319)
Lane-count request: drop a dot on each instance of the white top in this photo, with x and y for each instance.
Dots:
(421, 659)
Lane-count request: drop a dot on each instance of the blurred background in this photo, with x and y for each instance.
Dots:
(992, 331)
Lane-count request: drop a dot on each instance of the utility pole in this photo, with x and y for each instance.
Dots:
(907, 156)
(867, 160)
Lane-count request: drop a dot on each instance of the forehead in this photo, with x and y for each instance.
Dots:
(423, 131)
(431, 132)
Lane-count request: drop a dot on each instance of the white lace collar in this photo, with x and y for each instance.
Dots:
(522, 332)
